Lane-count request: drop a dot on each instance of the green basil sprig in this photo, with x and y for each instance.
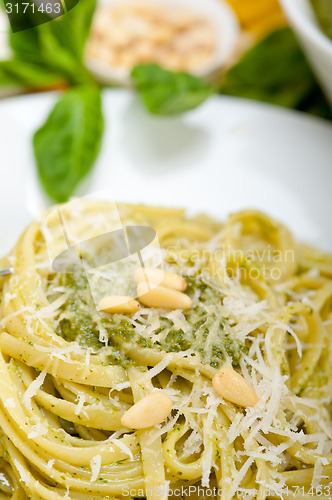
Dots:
(276, 71)
(55, 48)
(18, 73)
(67, 145)
(167, 93)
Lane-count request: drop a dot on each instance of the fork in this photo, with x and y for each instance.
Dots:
(4, 272)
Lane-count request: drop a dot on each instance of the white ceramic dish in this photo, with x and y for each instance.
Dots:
(217, 11)
(226, 155)
(316, 45)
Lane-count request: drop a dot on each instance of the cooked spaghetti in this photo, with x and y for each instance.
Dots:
(261, 304)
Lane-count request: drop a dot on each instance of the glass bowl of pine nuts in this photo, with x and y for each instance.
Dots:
(195, 36)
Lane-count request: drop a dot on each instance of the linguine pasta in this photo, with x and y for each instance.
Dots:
(261, 304)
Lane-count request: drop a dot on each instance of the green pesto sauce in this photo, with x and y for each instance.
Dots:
(76, 323)
(323, 10)
(223, 344)
(79, 321)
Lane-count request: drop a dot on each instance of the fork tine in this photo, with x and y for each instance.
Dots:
(5, 272)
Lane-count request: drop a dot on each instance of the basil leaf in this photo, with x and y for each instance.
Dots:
(58, 58)
(67, 145)
(38, 45)
(77, 22)
(275, 71)
(25, 44)
(17, 72)
(59, 44)
(167, 93)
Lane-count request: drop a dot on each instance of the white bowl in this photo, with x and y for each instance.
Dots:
(316, 45)
(218, 12)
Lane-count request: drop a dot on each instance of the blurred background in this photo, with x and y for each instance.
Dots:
(250, 52)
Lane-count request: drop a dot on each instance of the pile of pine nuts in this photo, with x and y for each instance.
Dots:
(127, 34)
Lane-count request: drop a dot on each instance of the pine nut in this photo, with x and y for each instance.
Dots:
(160, 277)
(171, 38)
(118, 304)
(148, 411)
(233, 387)
(160, 296)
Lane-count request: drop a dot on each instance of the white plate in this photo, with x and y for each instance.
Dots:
(226, 155)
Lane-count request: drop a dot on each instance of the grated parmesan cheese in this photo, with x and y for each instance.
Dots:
(50, 463)
(318, 472)
(120, 444)
(33, 388)
(95, 464)
(9, 403)
(38, 429)
(79, 406)
(158, 368)
(25, 477)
